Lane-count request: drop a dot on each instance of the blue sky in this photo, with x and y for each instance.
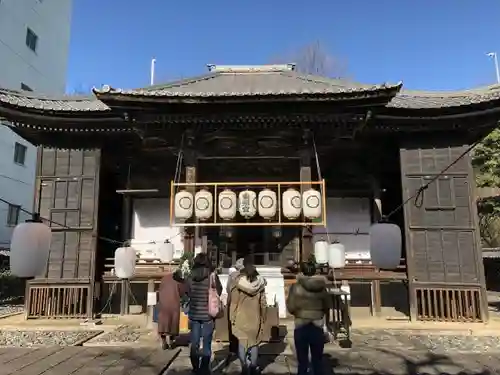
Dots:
(428, 44)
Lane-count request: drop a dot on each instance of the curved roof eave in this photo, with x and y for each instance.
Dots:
(427, 100)
(251, 84)
(61, 104)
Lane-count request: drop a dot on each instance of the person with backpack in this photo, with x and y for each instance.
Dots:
(247, 312)
(204, 289)
(309, 303)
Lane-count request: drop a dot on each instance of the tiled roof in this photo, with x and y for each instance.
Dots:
(254, 81)
(237, 83)
(408, 99)
(47, 103)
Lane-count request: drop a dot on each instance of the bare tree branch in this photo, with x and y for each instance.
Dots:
(315, 59)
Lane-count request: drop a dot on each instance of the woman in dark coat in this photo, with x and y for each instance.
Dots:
(169, 307)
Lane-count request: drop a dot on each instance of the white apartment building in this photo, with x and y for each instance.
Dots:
(34, 44)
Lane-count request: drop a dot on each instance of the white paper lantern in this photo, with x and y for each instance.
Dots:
(336, 255)
(311, 204)
(292, 204)
(203, 204)
(385, 245)
(183, 208)
(227, 205)
(321, 252)
(29, 249)
(268, 204)
(166, 252)
(125, 258)
(247, 203)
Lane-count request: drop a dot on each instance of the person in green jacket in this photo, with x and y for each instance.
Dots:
(309, 303)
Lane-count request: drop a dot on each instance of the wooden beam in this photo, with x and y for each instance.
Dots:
(190, 160)
(306, 175)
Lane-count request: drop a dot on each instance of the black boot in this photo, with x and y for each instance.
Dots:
(195, 362)
(164, 345)
(205, 366)
(253, 370)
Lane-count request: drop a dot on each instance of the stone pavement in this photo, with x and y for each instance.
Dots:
(381, 360)
(77, 360)
(374, 362)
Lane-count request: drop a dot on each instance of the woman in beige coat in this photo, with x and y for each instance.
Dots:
(247, 311)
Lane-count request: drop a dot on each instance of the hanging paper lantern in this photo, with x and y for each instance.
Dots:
(227, 205)
(183, 208)
(385, 245)
(321, 252)
(311, 203)
(29, 249)
(166, 252)
(247, 203)
(336, 255)
(125, 258)
(268, 204)
(292, 204)
(203, 204)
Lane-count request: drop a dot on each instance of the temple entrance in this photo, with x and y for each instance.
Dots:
(266, 246)
(251, 241)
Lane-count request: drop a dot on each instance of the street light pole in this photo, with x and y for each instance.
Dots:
(495, 60)
(152, 72)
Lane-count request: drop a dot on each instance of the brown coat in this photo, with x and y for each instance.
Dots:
(247, 310)
(169, 306)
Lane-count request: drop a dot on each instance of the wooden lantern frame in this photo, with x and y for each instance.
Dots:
(279, 187)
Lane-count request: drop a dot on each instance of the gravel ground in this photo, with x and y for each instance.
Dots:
(123, 334)
(18, 338)
(6, 309)
(433, 342)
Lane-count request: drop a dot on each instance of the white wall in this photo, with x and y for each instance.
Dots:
(44, 71)
(151, 222)
(345, 217)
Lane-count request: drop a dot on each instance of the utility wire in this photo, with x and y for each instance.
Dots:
(55, 222)
(418, 196)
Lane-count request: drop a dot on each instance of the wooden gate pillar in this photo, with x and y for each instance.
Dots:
(306, 175)
(191, 161)
(444, 260)
(67, 193)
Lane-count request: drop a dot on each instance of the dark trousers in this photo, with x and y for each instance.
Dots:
(309, 337)
(233, 342)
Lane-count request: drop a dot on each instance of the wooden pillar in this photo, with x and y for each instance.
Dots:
(126, 230)
(124, 293)
(190, 160)
(150, 312)
(376, 216)
(306, 175)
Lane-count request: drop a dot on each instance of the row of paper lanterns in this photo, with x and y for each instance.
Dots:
(31, 241)
(248, 203)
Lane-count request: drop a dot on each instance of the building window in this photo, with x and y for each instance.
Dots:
(25, 87)
(31, 39)
(13, 215)
(20, 153)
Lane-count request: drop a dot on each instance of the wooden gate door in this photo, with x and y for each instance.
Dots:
(444, 261)
(67, 194)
